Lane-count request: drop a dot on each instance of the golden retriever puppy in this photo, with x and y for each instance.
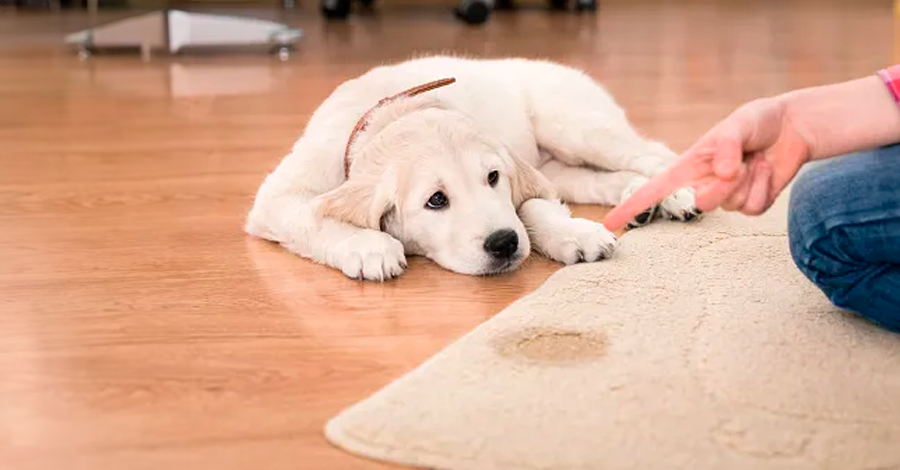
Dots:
(471, 172)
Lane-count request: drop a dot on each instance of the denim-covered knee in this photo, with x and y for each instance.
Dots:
(839, 216)
(805, 225)
(817, 237)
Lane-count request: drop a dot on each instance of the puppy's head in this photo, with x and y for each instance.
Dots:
(434, 180)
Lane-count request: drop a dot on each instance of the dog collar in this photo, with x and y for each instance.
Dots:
(364, 120)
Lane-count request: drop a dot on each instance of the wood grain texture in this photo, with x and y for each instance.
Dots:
(141, 329)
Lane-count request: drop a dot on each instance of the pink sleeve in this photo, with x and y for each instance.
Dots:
(891, 78)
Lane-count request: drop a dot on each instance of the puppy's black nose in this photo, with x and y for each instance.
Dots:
(502, 243)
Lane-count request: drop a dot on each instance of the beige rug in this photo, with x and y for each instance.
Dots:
(698, 346)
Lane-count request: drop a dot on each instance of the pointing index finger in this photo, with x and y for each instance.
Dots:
(684, 172)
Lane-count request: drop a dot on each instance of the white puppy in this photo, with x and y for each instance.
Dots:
(469, 174)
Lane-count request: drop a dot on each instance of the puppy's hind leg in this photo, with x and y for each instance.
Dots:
(582, 185)
(580, 124)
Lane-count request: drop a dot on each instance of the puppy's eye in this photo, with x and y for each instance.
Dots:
(493, 177)
(437, 201)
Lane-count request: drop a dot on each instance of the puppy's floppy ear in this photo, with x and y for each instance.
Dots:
(362, 202)
(526, 182)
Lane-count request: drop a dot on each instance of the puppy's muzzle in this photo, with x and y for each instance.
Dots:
(502, 244)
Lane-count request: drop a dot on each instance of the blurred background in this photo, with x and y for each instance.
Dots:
(139, 326)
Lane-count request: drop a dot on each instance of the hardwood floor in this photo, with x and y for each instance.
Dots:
(141, 329)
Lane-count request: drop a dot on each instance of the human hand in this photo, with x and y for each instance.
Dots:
(742, 164)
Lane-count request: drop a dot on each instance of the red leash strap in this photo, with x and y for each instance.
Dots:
(364, 120)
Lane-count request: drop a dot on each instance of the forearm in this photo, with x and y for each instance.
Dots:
(844, 117)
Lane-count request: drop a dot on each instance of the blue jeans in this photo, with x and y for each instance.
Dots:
(844, 230)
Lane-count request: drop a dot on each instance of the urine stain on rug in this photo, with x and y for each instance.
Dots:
(551, 345)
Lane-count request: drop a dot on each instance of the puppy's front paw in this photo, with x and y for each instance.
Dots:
(681, 205)
(580, 240)
(370, 255)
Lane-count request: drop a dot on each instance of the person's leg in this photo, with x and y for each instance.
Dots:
(844, 230)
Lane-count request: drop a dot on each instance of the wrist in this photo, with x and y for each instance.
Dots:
(843, 118)
(796, 120)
